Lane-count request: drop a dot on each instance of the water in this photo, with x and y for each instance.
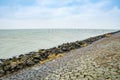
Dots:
(15, 42)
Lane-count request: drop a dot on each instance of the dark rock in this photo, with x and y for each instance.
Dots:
(6, 62)
(2, 60)
(13, 65)
(14, 59)
(33, 52)
(6, 68)
(24, 63)
(24, 58)
(19, 66)
(44, 55)
(42, 51)
(60, 51)
(53, 50)
(77, 45)
(70, 48)
(36, 60)
(64, 49)
(1, 72)
(37, 57)
(20, 56)
(89, 41)
(10, 59)
(49, 50)
(57, 50)
(29, 62)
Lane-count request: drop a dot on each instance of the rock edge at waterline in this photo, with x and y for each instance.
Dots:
(11, 65)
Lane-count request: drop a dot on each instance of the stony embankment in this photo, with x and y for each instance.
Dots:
(99, 61)
(8, 66)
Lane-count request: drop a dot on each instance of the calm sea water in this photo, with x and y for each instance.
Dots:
(15, 42)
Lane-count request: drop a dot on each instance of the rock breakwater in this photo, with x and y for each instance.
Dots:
(8, 66)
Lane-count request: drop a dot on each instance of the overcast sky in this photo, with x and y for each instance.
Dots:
(18, 14)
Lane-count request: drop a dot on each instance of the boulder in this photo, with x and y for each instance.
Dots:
(13, 65)
(36, 56)
(21, 55)
(44, 55)
(6, 68)
(59, 50)
(29, 62)
(33, 52)
(36, 60)
(19, 66)
(42, 51)
(14, 59)
(23, 63)
(64, 49)
(1, 72)
(2, 60)
(23, 60)
(53, 50)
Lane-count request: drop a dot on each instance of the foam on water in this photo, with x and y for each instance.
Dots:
(15, 42)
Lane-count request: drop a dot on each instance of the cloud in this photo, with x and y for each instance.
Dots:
(45, 9)
(61, 14)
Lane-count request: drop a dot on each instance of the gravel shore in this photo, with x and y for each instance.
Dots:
(98, 61)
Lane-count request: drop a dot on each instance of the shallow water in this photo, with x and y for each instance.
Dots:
(15, 42)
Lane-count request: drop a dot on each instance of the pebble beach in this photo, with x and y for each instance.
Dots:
(97, 61)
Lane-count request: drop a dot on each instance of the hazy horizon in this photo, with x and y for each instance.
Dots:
(58, 28)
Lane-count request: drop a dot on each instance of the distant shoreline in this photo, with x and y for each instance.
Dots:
(59, 29)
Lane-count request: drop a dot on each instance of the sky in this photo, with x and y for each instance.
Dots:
(90, 14)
